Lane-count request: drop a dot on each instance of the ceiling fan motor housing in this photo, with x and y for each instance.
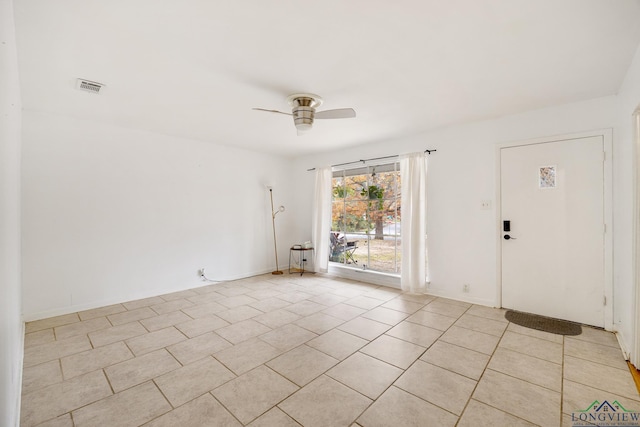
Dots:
(304, 108)
(303, 117)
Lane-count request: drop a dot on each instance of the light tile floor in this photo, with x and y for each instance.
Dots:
(312, 351)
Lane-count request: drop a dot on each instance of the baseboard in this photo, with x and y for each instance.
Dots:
(136, 296)
(393, 281)
(622, 342)
(635, 373)
(367, 276)
(18, 385)
(461, 297)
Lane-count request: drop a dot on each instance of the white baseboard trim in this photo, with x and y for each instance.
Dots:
(18, 385)
(367, 276)
(622, 342)
(30, 317)
(441, 293)
(393, 281)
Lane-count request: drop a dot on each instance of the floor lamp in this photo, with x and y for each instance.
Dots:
(273, 222)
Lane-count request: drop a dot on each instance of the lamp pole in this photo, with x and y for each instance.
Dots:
(273, 222)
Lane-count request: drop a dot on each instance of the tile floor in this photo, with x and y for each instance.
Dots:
(312, 351)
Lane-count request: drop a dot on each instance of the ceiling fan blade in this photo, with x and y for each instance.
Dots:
(272, 111)
(339, 113)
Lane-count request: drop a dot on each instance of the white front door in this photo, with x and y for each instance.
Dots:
(552, 194)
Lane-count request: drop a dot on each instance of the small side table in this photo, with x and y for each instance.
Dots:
(303, 258)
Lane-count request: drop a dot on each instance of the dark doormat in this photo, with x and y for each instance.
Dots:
(541, 323)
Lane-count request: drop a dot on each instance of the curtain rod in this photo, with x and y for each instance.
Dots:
(368, 160)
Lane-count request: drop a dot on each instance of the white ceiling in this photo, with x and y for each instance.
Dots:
(195, 68)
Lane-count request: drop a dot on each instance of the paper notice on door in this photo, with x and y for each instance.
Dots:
(547, 177)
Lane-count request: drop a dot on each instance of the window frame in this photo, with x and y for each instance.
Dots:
(369, 170)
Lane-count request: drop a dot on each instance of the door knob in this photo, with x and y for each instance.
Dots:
(507, 237)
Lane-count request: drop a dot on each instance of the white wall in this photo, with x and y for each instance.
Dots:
(11, 326)
(462, 173)
(624, 295)
(113, 214)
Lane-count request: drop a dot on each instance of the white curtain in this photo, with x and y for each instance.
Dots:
(413, 176)
(321, 219)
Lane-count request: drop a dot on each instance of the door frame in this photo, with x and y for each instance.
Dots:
(607, 137)
(635, 339)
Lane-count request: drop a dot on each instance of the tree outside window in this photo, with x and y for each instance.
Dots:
(366, 218)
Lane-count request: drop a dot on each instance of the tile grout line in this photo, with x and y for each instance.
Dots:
(276, 404)
(153, 380)
(404, 370)
(464, 409)
(350, 355)
(339, 361)
(210, 392)
(482, 376)
(531, 355)
(113, 392)
(625, 369)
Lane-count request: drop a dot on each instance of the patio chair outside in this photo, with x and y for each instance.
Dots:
(341, 249)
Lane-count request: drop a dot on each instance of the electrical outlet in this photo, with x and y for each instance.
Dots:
(465, 288)
(201, 272)
(485, 205)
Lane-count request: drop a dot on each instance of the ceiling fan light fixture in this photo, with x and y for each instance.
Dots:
(303, 127)
(303, 117)
(303, 111)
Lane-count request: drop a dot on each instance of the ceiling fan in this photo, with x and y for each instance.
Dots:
(304, 111)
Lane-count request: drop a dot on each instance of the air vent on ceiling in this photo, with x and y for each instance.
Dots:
(89, 86)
